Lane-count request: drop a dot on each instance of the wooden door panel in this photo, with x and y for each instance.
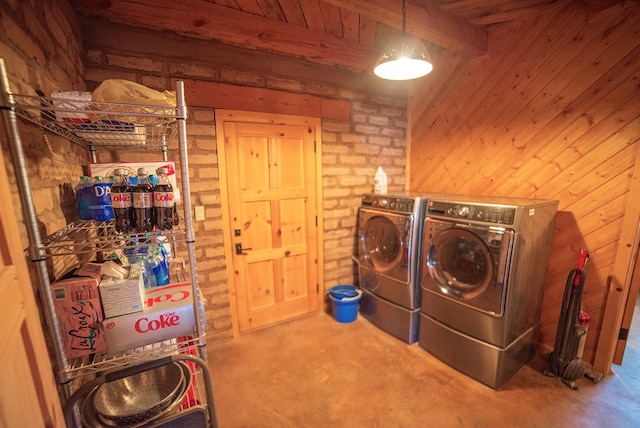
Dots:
(271, 181)
(295, 282)
(253, 163)
(292, 226)
(628, 314)
(288, 171)
(261, 293)
(11, 301)
(18, 389)
(28, 391)
(256, 228)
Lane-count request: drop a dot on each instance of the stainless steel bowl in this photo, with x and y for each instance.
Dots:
(91, 418)
(144, 418)
(136, 397)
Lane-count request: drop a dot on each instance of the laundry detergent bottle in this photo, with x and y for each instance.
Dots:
(380, 182)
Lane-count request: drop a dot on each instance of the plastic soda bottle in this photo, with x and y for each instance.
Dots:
(122, 201)
(101, 208)
(142, 198)
(160, 268)
(148, 275)
(178, 270)
(84, 196)
(163, 202)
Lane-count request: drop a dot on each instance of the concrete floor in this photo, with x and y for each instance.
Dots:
(316, 372)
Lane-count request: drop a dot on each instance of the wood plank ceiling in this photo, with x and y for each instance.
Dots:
(347, 34)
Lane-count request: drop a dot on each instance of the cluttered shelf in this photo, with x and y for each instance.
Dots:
(97, 124)
(84, 237)
(103, 362)
(169, 391)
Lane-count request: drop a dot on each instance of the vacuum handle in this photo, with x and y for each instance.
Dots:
(583, 256)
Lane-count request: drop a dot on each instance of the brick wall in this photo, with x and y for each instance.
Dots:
(352, 150)
(40, 44)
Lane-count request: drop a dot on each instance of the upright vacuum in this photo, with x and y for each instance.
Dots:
(564, 361)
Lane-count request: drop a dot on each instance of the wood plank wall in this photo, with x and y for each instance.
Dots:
(551, 112)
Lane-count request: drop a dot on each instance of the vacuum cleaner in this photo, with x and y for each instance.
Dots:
(565, 360)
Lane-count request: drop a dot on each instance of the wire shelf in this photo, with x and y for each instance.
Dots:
(85, 237)
(101, 125)
(98, 363)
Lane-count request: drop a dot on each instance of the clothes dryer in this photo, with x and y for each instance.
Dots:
(388, 258)
(484, 269)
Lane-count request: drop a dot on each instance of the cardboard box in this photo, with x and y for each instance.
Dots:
(90, 269)
(79, 311)
(168, 314)
(122, 296)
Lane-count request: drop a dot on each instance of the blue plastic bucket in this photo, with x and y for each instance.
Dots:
(341, 291)
(345, 309)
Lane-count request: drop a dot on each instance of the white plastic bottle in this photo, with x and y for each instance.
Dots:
(380, 182)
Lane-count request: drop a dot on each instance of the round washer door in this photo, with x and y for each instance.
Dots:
(460, 263)
(381, 243)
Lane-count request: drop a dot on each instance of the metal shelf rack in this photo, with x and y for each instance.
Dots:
(107, 125)
(110, 126)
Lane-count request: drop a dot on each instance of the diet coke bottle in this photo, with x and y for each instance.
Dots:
(122, 201)
(163, 203)
(143, 203)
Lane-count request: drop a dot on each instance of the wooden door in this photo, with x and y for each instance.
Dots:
(28, 392)
(628, 314)
(621, 284)
(271, 182)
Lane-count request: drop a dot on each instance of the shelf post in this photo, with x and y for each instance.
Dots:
(31, 223)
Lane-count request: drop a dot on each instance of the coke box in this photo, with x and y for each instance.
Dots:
(79, 310)
(168, 313)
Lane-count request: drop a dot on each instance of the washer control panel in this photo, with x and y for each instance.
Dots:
(476, 212)
(391, 203)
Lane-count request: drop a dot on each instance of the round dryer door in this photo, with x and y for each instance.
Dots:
(381, 243)
(460, 263)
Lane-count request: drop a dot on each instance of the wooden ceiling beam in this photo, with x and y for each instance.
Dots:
(425, 20)
(112, 38)
(205, 20)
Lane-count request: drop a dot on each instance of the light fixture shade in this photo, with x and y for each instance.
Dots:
(404, 58)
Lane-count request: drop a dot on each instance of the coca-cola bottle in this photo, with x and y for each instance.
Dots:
(176, 201)
(122, 201)
(163, 203)
(142, 196)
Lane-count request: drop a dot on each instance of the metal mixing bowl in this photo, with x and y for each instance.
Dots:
(92, 419)
(134, 398)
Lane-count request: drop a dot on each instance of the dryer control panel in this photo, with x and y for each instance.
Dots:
(391, 203)
(477, 212)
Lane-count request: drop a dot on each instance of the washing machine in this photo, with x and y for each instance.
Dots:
(484, 270)
(389, 248)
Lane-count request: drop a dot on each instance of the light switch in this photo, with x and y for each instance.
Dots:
(199, 212)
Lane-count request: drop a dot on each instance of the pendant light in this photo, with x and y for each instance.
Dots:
(404, 57)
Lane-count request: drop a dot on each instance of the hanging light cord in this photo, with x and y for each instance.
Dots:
(404, 18)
